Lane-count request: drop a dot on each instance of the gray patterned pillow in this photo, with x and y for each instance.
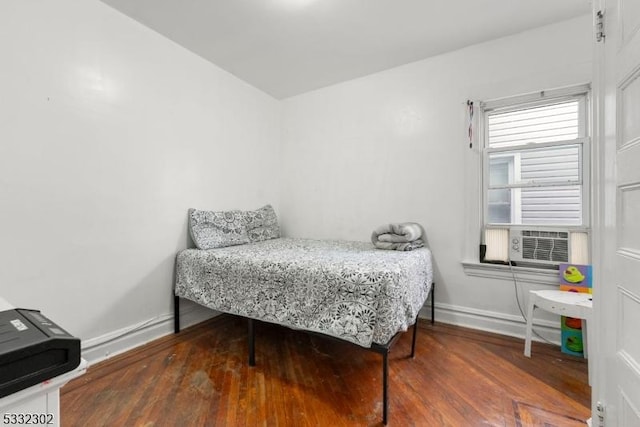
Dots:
(262, 224)
(211, 230)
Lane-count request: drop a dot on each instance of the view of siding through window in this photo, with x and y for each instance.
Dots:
(535, 185)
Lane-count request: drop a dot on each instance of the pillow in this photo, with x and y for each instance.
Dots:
(262, 224)
(211, 230)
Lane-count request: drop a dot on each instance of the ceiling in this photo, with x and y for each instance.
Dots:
(288, 47)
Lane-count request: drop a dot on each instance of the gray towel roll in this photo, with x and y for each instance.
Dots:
(404, 236)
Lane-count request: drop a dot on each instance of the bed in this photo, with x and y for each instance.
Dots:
(341, 289)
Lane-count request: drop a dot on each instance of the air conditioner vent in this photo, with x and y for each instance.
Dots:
(539, 245)
(552, 234)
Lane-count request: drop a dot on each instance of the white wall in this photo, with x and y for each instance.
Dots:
(108, 134)
(393, 147)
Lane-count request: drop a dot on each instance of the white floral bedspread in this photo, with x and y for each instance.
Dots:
(348, 290)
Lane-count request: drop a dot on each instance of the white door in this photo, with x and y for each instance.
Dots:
(617, 216)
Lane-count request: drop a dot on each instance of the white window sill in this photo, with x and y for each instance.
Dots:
(504, 272)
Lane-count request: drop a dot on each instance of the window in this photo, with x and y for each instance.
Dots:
(534, 161)
(500, 208)
(536, 164)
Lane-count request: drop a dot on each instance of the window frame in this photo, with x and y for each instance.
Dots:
(580, 93)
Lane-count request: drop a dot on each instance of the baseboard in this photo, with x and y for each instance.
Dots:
(490, 321)
(103, 347)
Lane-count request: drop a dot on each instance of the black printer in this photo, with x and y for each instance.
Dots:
(33, 349)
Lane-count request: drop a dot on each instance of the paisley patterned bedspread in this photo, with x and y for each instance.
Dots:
(348, 290)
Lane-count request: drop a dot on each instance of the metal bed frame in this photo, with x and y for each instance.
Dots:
(382, 349)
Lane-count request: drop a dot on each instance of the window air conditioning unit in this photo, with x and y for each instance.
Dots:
(550, 246)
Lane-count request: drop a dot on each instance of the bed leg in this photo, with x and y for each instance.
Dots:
(433, 302)
(413, 340)
(176, 313)
(252, 344)
(385, 386)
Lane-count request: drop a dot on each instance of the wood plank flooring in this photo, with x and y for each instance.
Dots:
(201, 377)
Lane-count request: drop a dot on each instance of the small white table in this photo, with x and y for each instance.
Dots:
(570, 304)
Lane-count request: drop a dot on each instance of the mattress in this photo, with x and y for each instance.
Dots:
(348, 290)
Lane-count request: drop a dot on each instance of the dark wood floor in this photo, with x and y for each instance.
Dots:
(200, 377)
